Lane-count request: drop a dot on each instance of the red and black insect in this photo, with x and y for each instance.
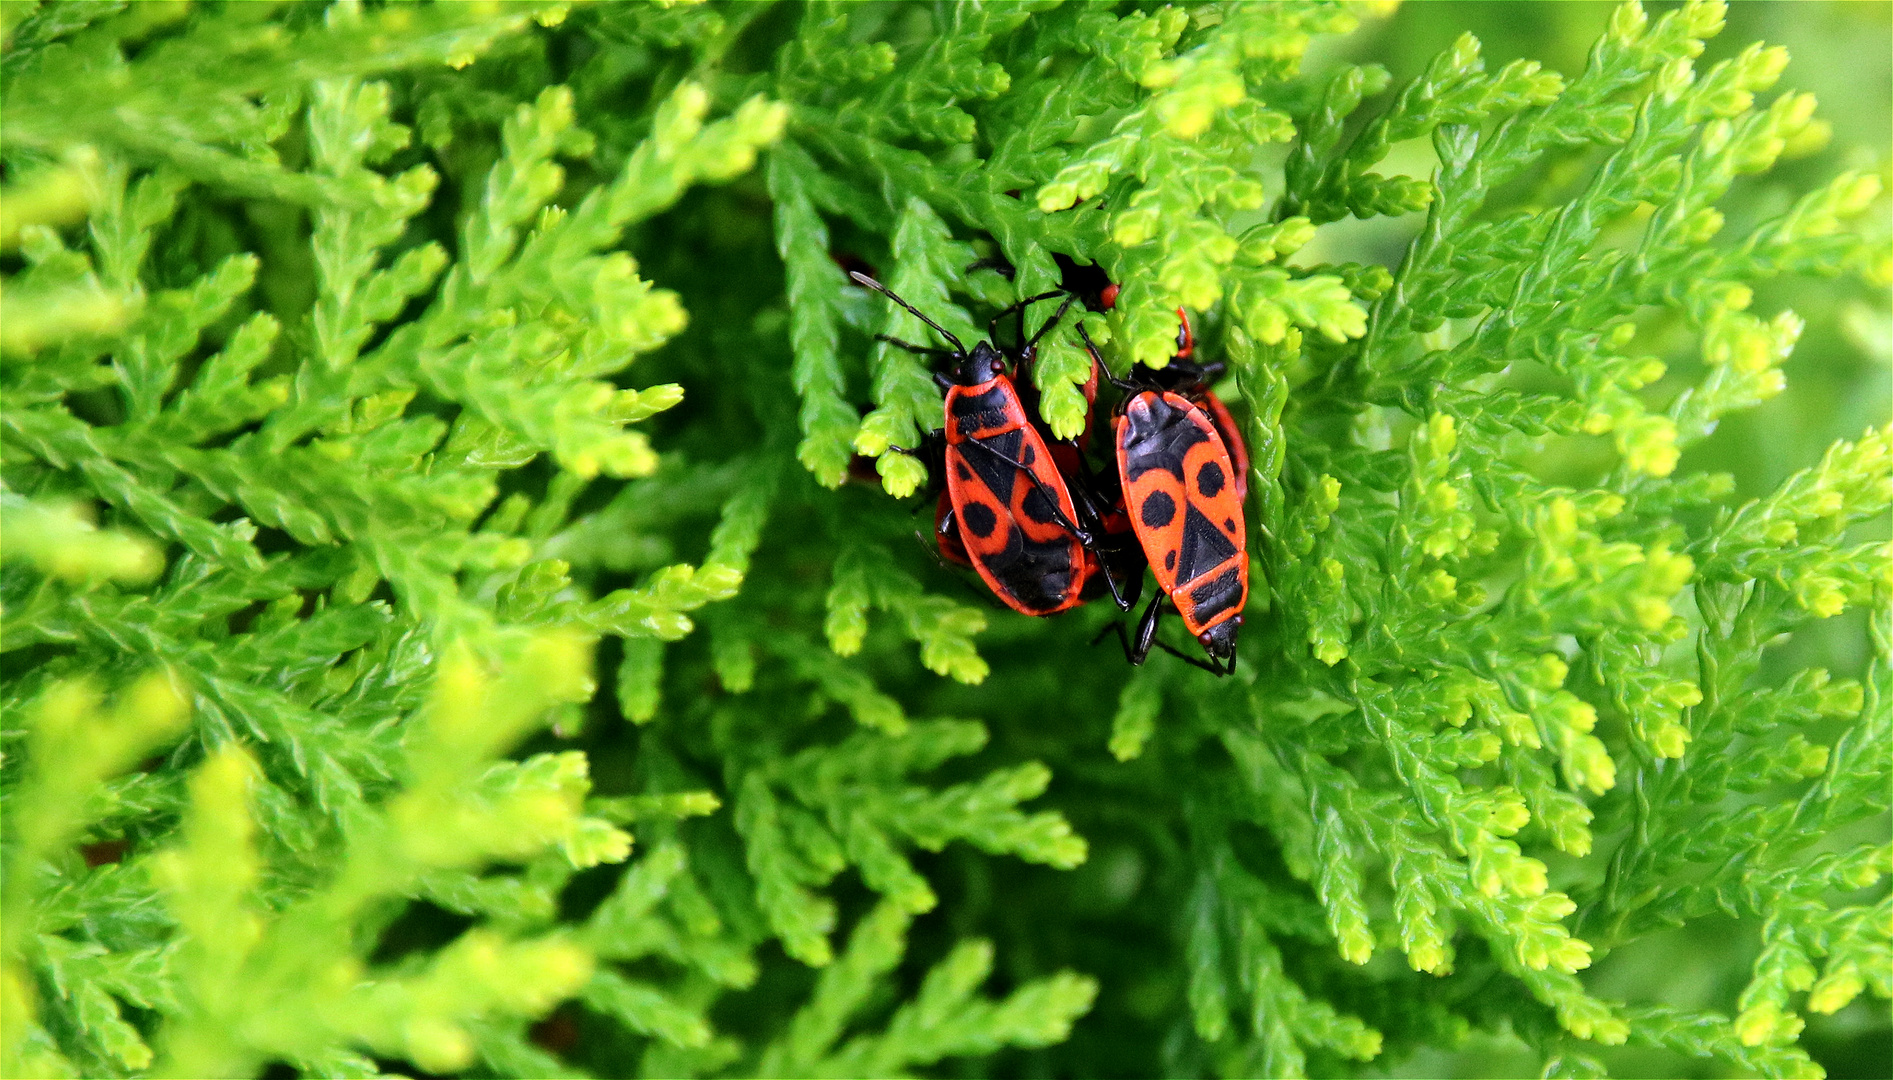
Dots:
(1008, 504)
(1067, 455)
(1180, 490)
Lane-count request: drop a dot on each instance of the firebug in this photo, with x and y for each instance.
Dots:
(1009, 506)
(1180, 491)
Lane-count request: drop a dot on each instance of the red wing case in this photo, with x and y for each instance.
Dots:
(1009, 527)
(1180, 489)
(1232, 439)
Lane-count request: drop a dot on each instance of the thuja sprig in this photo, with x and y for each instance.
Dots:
(446, 626)
(1569, 570)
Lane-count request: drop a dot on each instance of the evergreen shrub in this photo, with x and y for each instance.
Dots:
(453, 621)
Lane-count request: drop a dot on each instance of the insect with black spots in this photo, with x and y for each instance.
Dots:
(1009, 506)
(1184, 498)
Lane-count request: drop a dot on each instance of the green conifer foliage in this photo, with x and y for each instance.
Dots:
(461, 611)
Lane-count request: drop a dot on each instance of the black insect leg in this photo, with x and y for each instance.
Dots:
(1120, 596)
(1110, 580)
(932, 455)
(939, 380)
(1147, 627)
(1084, 500)
(1146, 633)
(1147, 638)
(997, 264)
(1070, 298)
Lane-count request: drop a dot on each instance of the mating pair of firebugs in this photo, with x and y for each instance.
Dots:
(1023, 510)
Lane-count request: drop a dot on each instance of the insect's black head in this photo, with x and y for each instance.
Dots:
(1220, 640)
(979, 366)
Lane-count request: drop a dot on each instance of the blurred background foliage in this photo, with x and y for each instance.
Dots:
(1840, 380)
(1049, 696)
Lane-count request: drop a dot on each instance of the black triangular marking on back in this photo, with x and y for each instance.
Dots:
(1204, 546)
(998, 475)
(1157, 437)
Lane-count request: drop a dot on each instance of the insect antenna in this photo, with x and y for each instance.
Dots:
(919, 350)
(864, 279)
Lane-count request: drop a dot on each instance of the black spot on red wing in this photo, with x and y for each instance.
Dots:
(1038, 507)
(1229, 525)
(1209, 479)
(965, 473)
(1203, 546)
(1217, 594)
(1170, 559)
(1034, 576)
(998, 475)
(1027, 455)
(1155, 435)
(1158, 510)
(978, 519)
